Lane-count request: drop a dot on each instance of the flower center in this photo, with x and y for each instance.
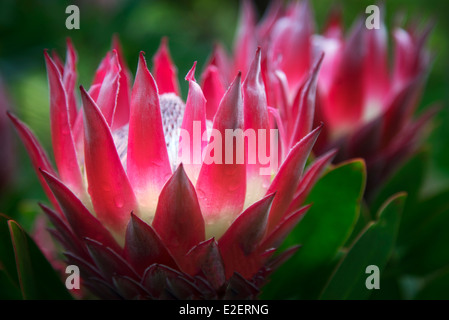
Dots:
(172, 111)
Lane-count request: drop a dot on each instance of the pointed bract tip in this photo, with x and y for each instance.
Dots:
(142, 59)
(47, 175)
(164, 43)
(133, 217)
(320, 58)
(11, 116)
(69, 42)
(180, 175)
(258, 56)
(331, 154)
(238, 76)
(116, 44)
(86, 95)
(46, 55)
(179, 169)
(270, 197)
(82, 90)
(191, 74)
(116, 59)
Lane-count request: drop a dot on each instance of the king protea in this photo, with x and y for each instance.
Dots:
(367, 107)
(140, 219)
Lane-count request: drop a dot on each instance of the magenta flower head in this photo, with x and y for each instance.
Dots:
(157, 198)
(367, 107)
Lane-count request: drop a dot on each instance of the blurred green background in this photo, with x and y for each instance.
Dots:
(27, 27)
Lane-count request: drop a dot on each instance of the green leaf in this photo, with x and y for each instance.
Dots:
(37, 278)
(435, 288)
(373, 247)
(323, 231)
(7, 261)
(422, 214)
(8, 289)
(427, 251)
(409, 178)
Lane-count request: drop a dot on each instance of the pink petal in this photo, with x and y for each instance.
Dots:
(255, 119)
(220, 60)
(100, 74)
(287, 179)
(306, 105)
(344, 104)
(265, 26)
(69, 78)
(405, 58)
(311, 176)
(111, 193)
(221, 187)
(73, 243)
(292, 35)
(37, 154)
(109, 90)
(178, 219)
(79, 218)
(165, 72)
(277, 123)
(242, 238)
(148, 164)
(376, 73)
(58, 61)
(213, 90)
(282, 97)
(278, 235)
(333, 28)
(194, 123)
(143, 247)
(282, 258)
(121, 116)
(245, 42)
(61, 133)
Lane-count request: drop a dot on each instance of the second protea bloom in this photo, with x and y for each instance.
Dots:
(367, 106)
(136, 208)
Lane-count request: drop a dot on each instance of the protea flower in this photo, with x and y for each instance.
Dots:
(367, 108)
(142, 219)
